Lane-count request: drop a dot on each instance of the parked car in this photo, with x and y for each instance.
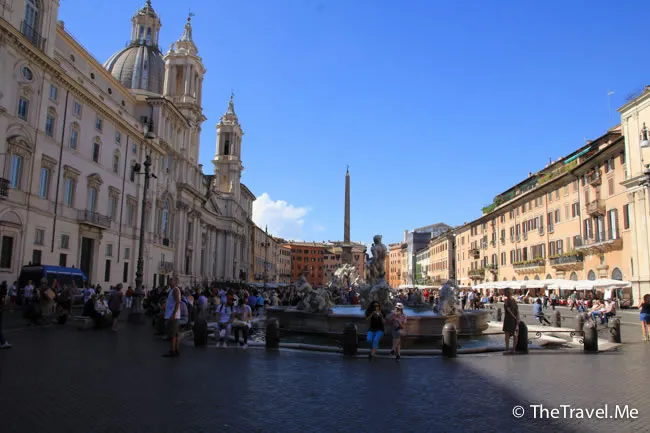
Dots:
(63, 275)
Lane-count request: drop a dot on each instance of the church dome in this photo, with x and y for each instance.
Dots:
(138, 66)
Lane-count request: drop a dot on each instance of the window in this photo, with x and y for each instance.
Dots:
(112, 207)
(116, 161)
(50, 120)
(107, 271)
(65, 242)
(99, 123)
(118, 137)
(557, 215)
(612, 222)
(36, 257)
(96, 151)
(23, 108)
(130, 213)
(610, 184)
(125, 272)
(92, 199)
(74, 136)
(127, 253)
(575, 209)
(69, 191)
(164, 226)
(39, 237)
(575, 186)
(622, 158)
(626, 216)
(31, 18)
(16, 174)
(7, 252)
(63, 260)
(76, 110)
(566, 212)
(44, 185)
(109, 250)
(134, 148)
(54, 92)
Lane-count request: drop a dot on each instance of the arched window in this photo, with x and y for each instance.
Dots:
(526, 278)
(617, 274)
(164, 226)
(574, 276)
(116, 161)
(74, 136)
(536, 277)
(591, 276)
(32, 15)
(92, 199)
(549, 277)
(514, 278)
(50, 122)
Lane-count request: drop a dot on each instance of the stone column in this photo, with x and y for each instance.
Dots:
(220, 254)
(182, 241)
(230, 247)
(186, 77)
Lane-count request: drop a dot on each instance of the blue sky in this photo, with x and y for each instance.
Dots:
(436, 106)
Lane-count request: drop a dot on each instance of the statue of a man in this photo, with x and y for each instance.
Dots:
(377, 264)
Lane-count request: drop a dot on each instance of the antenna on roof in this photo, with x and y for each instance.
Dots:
(609, 105)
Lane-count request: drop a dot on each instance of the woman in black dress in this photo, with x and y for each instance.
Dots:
(375, 327)
(510, 321)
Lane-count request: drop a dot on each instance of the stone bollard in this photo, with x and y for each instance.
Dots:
(499, 315)
(590, 337)
(449, 340)
(556, 319)
(200, 331)
(579, 323)
(350, 339)
(615, 331)
(522, 338)
(272, 334)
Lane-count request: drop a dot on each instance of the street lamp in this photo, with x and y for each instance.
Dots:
(136, 311)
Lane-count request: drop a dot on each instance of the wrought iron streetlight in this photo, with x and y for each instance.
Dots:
(136, 310)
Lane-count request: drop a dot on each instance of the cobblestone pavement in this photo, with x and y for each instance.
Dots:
(58, 379)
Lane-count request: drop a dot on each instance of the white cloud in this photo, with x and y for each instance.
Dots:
(283, 219)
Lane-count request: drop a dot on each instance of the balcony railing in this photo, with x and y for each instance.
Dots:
(492, 267)
(600, 238)
(541, 231)
(536, 263)
(480, 273)
(4, 188)
(567, 260)
(166, 267)
(475, 252)
(596, 207)
(594, 178)
(525, 236)
(93, 218)
(32, 35)
(493, 243)
(503, 241)
(551, 228)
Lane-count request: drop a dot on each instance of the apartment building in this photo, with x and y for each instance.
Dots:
(308, 258)
(570, 220)
(265, 263)
(284, 262)
(397, 269)
(441, 259)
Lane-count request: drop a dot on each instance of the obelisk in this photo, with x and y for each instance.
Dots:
(346, 253)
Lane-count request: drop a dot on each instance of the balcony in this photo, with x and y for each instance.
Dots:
(492, 267)
(503, 241)
(166, 267)
(4, 188)
(32, 35)
(599, 242)
(596, 207)
(525, 236)
(93, 219)
(529, 266)
(594, 178)
(477, 274)
(475, 252)
(493, 243)
(570, 261)
(551, 228)
(541, 231)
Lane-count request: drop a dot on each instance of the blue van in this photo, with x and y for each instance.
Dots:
(62, 275)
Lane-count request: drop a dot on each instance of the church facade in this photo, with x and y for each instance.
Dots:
(74, 137)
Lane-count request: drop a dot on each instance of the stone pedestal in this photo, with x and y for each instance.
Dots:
(136, 313)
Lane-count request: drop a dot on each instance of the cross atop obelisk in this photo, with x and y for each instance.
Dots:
(346, 253)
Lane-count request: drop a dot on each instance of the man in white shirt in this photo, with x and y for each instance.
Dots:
(172, 317)
(28, 294)
(226, 316)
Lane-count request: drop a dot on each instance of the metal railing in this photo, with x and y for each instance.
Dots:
(94, 218)
(166, 267)
(529, 264)
(562, 260)
(32, 35)
(596, 207)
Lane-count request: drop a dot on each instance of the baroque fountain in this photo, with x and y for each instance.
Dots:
(316, 313)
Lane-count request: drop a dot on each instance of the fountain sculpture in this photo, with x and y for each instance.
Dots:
(312, 300)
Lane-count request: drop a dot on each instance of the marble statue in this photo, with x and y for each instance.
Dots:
(312, 300)
(345, 277)
(275, 301)
(376, 269)
(448, 299)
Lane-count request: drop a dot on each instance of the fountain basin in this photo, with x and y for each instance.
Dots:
(420, 325)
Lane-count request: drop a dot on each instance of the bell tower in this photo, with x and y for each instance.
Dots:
(184, 73)
(227, 160)
(145, 28)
